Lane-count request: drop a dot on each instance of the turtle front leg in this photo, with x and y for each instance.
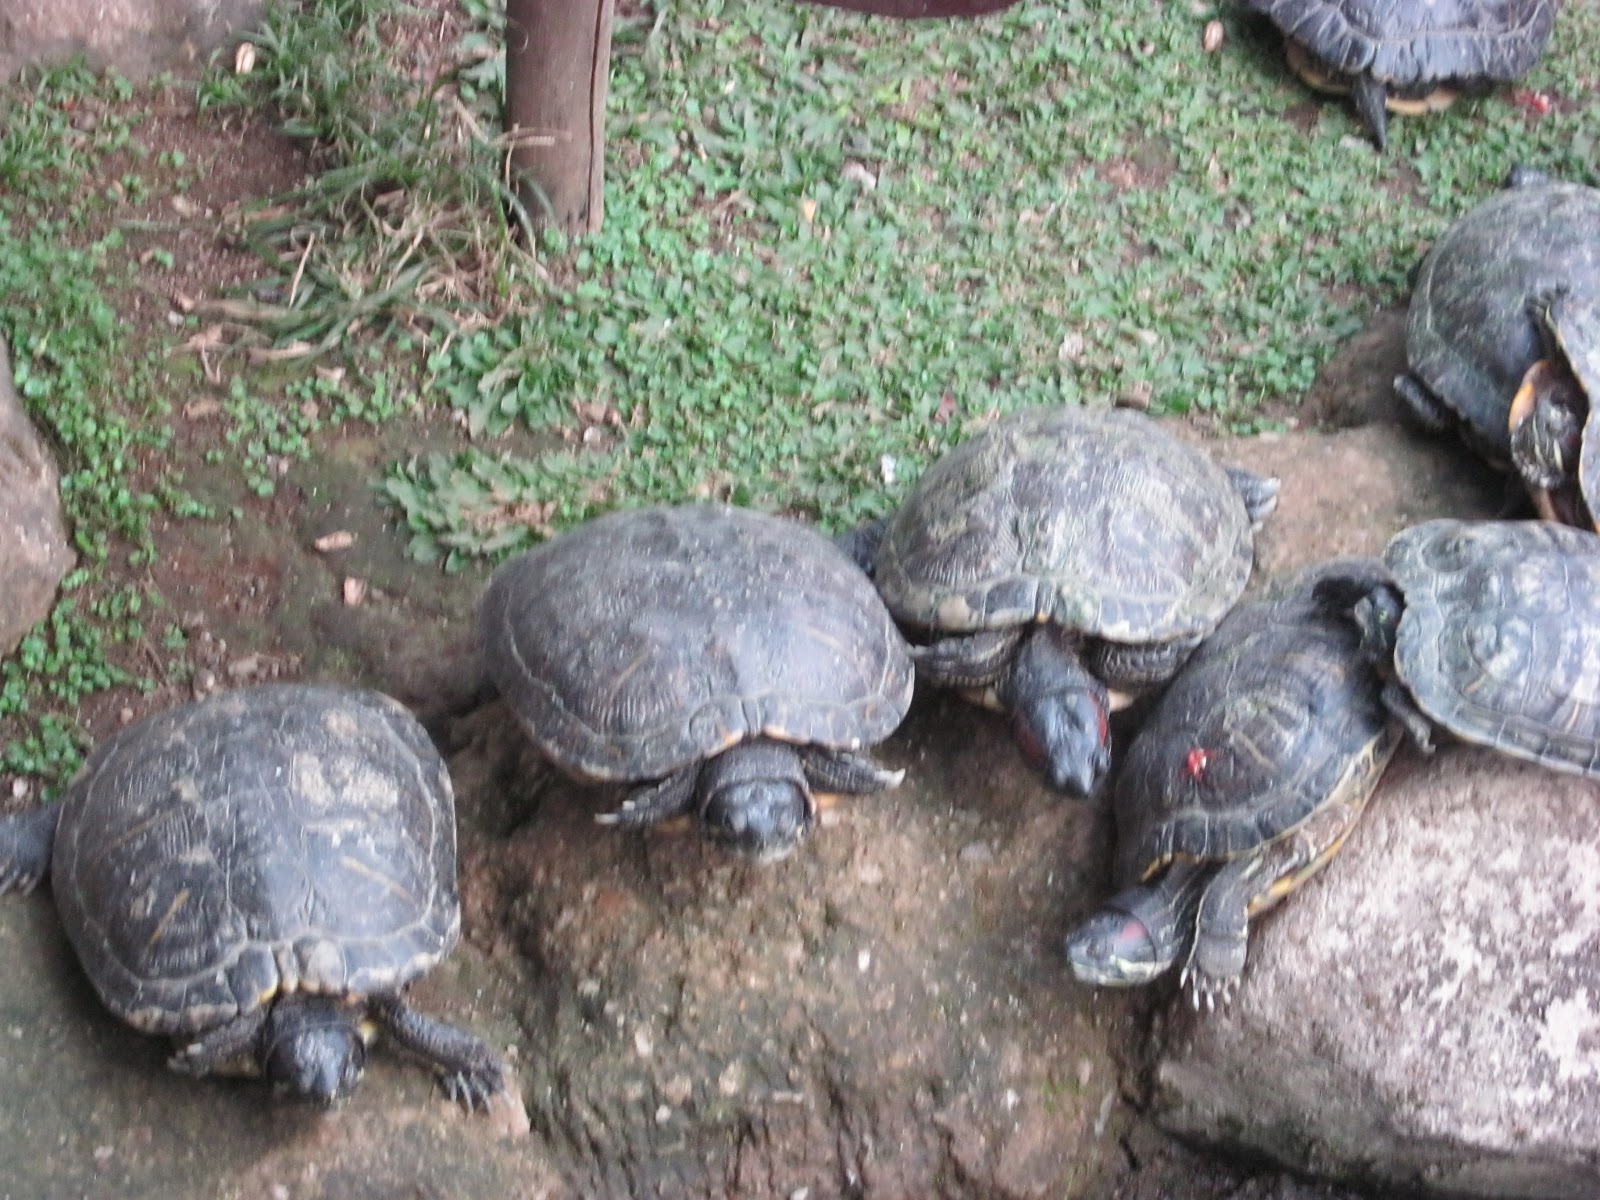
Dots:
(222, 1046)
(470, 1073)
(26, 841)
(1138, 668)
(841, 771)
(1422, 408)
(1221, 937)
(973, 660)
(656, 801)
(1258, 492)
(1404, 709)
(861, 543)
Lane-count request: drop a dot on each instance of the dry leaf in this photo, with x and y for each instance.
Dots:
(808, 210)
(339, 539)
(196, 409)
(244, 59)
(355, 591)
(1211, 40)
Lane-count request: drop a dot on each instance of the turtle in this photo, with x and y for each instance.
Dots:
(722, 660)
(1062, 550)
(1554, 440)
(257, 875)
(1408, 57)
(1475, 325)
(1487, 630)
(1245, 779)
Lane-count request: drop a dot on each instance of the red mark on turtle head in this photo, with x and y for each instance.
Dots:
(1196, 763)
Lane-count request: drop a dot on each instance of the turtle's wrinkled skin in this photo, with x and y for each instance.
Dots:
(1244, 780)
(730, 660)
(1491, 630)
(257, 875)
(1475, 324)
(1059, 551)
(1409, 57)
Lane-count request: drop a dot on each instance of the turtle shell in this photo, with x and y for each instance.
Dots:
(644, 641)
(1406, 45)
(260, 842)
(1274, 718)
(1500, 635)
(1470, 333)
(1099, 521)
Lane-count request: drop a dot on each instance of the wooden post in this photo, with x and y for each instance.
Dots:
(558, 62)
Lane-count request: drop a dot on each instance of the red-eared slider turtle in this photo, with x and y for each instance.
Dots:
(1474, 328)
(1245, 779)
(1406, 56)
(1490, 630)
(257, 875)
(1554, 440)
(729, 660)
(1060, 551)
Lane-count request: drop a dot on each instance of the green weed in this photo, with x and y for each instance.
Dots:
(831, 244)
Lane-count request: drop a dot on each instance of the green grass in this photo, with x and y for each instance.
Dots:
(97, 405)
(831, 243)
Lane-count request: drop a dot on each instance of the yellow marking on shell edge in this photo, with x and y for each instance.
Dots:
(178, 902)
(1320, 79)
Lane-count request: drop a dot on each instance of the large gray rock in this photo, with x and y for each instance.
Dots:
(136, 37)
(34, 554)
(1426, 1014)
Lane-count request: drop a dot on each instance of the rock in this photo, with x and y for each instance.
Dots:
(138, 38)
(1426, 1014)
(1348, 492)
(34, 554)
(878, 1014)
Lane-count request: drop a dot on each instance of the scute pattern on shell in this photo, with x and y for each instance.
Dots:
(1405, 43)
(1469, 333)
(1283, 704)
(266, 841)
(646, 640)
(1500, 639)
(1100, 521)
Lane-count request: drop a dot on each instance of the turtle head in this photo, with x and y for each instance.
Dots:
(1547, 425)
(754, 799)
(1060, 713)
(312, 1047)
(1066, 735)
(1377, 615)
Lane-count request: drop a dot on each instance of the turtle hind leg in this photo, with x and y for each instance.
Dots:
(470, 1073)
(26, 841)
(1372, 106)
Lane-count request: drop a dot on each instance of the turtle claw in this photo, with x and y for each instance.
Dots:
(474, 1089)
